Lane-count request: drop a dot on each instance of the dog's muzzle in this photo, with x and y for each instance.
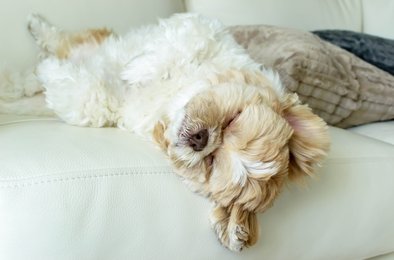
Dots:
(199, 140)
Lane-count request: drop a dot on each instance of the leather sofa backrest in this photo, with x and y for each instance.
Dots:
(369, 16)
(17, 50)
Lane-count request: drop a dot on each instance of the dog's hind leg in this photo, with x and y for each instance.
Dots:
(15, 85)
(56, 42)
(33, 106)
(21, 93)
(45, 35)
(73, 90)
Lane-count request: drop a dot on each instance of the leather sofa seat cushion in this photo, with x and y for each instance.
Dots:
(81, 193)
(383, 131)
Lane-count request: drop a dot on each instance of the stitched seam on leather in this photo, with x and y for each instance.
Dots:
(378, 255)
(137, 170)
(14, 122)
(76, 178)
(362, 160)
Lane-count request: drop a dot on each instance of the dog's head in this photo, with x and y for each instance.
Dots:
(237, 140)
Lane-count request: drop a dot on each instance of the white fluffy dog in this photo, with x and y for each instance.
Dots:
(225, 123)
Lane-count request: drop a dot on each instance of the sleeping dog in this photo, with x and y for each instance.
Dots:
(224, 121)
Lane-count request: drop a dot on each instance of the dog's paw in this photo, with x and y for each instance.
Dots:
(232, 235)
(219, 221)
(234, 227)
(238, 236)
(42, 31)
(36, 24)
(220, 228)
(10, 87)
(144, 68)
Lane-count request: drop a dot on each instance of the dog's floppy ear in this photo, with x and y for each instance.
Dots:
(310, 140)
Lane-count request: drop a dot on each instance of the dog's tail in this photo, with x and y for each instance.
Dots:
(21, 93)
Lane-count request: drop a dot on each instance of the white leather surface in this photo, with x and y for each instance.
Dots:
(389, 256)
(80, 193)
(378, 17)
(369, 16)
(301, 14)
(17, 48)
(383, 131)
(77, 193)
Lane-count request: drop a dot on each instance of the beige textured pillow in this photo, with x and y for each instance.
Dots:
(340, 87)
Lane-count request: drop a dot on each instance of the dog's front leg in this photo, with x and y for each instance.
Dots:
(235, 227)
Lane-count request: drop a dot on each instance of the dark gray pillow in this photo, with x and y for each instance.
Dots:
(373, 49)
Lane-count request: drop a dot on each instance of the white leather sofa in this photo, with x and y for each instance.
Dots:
(81, 193)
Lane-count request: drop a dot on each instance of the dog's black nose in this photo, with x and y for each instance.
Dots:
(199, 141)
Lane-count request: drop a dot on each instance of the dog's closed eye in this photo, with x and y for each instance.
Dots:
(209, 160)
(231, 120)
